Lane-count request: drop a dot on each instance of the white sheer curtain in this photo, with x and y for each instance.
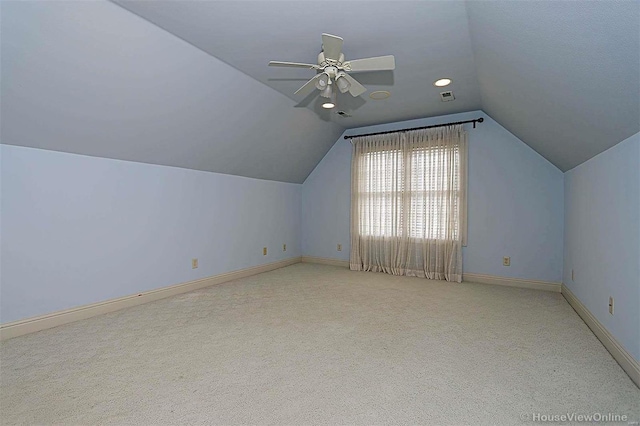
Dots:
(408, 203)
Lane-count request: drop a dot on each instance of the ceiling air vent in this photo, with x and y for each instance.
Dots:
(446, 96)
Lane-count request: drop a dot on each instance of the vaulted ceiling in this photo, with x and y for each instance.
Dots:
(186, 83)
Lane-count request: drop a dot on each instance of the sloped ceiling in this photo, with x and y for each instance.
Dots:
(428, 39)
(95, 79)
(563, 76)
(91, 78)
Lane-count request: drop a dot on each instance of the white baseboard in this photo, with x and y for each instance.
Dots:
(630, 365)
(54, 319)
(325, 261)
(475, 278)
(512, 282)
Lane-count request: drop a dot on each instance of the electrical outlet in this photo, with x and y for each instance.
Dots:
(611, 305)
(264, 251)
(194, 263)
(339, 247)
(284, 247)
(572, 279)
(506, 261)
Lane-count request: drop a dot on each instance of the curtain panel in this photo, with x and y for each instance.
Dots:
(408, 203)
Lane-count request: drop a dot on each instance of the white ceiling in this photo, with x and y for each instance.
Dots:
(95, 79)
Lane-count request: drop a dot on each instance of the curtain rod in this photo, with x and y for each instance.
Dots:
(477, 120)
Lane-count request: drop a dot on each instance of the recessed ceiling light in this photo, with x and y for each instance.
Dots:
(328, 105)
(442, 82)
(380, 94)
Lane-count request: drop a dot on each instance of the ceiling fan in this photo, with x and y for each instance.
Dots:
(332, 68)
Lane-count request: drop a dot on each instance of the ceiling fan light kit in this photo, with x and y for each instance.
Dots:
(322, 82)
(342, 82)
(333, 67)
(326, 92)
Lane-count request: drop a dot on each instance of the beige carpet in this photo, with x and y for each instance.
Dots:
(312, 344)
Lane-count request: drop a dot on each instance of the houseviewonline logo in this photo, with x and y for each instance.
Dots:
(576, 417)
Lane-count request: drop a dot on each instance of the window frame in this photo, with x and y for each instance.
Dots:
(461, 190)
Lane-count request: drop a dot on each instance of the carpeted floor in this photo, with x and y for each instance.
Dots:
(312, 344)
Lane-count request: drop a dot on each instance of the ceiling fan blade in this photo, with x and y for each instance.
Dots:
(356, 89)
(332, 46)
(292, 64)
(309, 86)
(379, 63)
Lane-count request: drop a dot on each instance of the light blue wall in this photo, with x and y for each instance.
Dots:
(602, 238)
(515, 203)
(78, 230)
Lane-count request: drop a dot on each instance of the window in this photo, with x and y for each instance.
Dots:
(408, 208)
(414, 193)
